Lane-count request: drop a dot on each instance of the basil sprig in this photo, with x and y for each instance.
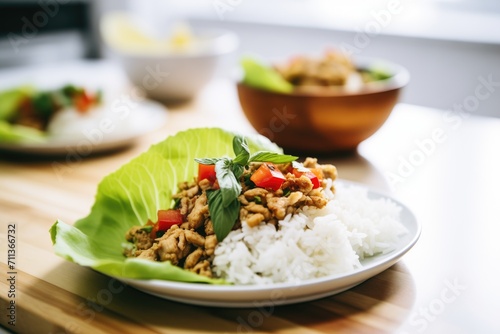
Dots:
(223, 203)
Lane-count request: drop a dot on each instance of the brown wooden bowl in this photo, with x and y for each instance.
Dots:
(323, 120)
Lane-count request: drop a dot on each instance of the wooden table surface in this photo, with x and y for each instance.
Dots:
(444, 166)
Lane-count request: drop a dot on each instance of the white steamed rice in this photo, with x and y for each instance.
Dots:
(312, 243)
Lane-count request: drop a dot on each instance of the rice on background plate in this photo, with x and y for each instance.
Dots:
(312, 243)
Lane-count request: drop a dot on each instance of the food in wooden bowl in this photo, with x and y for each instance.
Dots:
(325, 105)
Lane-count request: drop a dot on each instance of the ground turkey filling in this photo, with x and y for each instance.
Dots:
(191, 245)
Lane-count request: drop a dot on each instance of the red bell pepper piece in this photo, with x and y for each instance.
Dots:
(166, 219)
(268, 176)
(310, 173)
(83, 101)
(206, 172)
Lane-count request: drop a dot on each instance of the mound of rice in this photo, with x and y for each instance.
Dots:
(312, 243)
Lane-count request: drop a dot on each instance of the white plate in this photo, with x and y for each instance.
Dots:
(283, 293)
(121, 129)
(119, 99)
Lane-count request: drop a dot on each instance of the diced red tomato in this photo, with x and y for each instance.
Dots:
(316, 181)
(83, 101)
(268, 176)
(166, 219)
(206, 172)
(318, 172)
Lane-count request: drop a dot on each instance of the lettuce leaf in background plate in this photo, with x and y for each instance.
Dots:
(261, 76)
(133, 194)
(11, 99)
(9, 103)
(15, 133)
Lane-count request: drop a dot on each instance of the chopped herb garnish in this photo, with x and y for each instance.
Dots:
(223, 203)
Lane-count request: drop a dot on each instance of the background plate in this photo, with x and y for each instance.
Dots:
(144, 117)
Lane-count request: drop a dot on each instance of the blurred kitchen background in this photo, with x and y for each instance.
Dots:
(447, 46)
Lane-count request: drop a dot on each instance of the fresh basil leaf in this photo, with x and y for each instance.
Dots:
(229, 185)
(44, 107)
(238, 170)
(223, 203)
(241, 150)
(207, 161)
(223, 217)
(263, 156)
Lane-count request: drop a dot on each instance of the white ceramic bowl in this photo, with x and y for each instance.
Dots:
(169, 75)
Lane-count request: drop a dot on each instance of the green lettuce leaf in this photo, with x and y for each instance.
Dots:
(15, 133)
(264, 77)
(11, 99)
(9, 104)
(133, 194)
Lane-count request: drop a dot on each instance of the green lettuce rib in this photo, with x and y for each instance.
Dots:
(132, 195)
(264, 77)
